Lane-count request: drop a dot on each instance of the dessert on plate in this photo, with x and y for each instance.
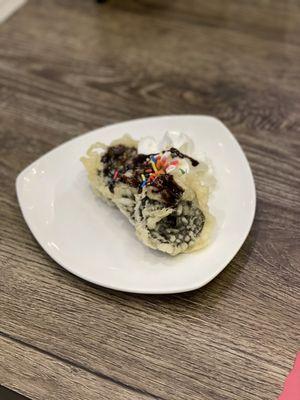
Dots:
(159, 187)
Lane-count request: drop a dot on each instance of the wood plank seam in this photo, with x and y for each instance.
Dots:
(82, 367)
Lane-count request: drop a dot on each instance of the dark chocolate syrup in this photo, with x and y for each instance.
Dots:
(169, 190)
(178, 153)
(123, 164)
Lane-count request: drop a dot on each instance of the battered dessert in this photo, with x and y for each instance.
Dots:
(160, 189)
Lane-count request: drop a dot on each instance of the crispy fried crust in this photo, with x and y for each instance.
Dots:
(183, 228)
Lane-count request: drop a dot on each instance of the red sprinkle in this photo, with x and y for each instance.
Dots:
(116, 174)
(175, 163)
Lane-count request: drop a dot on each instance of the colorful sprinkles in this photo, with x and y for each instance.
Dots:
(161, 164)
(154, 166)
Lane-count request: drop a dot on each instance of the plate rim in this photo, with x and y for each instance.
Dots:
(148, 290)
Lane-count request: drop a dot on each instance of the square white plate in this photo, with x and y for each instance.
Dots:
(95, 242)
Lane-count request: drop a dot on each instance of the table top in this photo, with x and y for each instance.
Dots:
(72, 66)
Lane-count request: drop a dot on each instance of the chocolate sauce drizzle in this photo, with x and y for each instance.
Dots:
(124, 164)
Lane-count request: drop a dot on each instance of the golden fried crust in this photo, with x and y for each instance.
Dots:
(149, 218)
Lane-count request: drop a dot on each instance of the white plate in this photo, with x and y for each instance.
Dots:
(96, 243)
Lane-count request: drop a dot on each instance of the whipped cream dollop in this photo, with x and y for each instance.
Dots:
(149, 145)
(179, 140)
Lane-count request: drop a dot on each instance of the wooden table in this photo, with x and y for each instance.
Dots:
(69, 66)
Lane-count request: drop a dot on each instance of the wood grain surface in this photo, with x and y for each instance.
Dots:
(70, 66)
